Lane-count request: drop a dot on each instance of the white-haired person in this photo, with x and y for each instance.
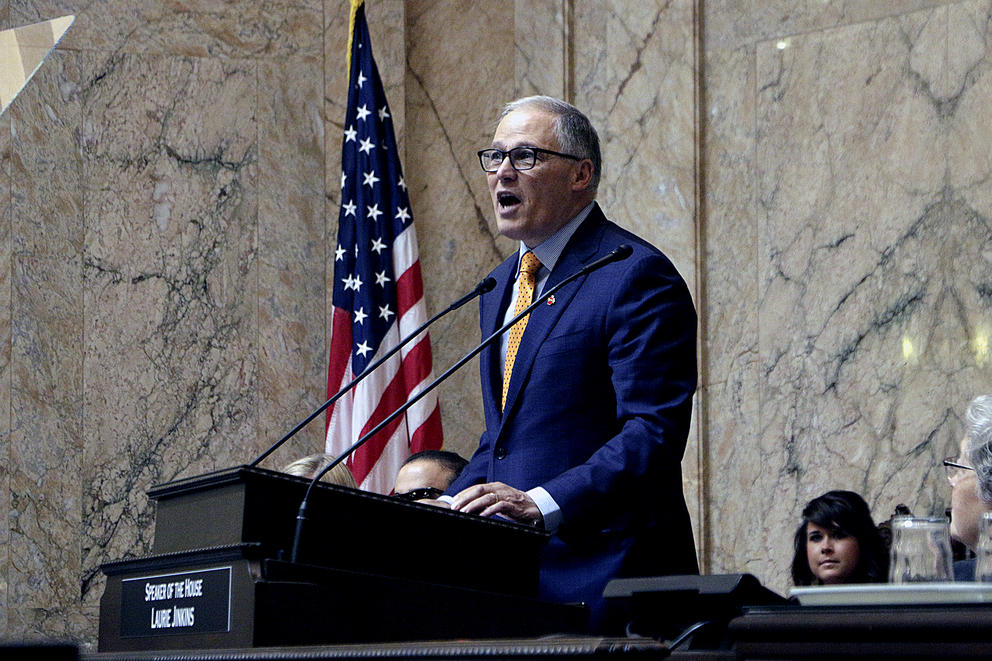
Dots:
(970, 475)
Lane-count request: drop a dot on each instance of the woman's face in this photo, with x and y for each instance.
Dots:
(966, 505)
(833, 556)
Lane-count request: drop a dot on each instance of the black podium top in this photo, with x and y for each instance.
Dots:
(347, 529)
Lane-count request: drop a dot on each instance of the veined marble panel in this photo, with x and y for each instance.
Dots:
(875, 267)
(45, 175)
(542, 48)
(292, 364)
(170, 157)
(453, 96)
(733, 23)
(207, 28)
(730, 365)
(44, 447)
(5, 343)
(634, 78)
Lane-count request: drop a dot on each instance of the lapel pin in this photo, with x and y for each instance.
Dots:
(551, 299)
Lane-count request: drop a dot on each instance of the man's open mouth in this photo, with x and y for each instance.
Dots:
(507, 199)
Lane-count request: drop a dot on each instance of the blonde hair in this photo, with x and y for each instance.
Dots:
(312, 464)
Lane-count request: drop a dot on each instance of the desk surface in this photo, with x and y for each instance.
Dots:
(514, 649)
(783, 632)
(794, 632)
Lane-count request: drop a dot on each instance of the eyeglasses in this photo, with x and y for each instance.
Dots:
(521, 158)
(422, 493)
(954, 469)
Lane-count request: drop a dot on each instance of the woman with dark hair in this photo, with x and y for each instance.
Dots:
(837, 542)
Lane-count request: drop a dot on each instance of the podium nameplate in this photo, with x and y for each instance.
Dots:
(184, 602)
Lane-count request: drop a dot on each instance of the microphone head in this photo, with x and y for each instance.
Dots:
(487, 285)
(623, 251)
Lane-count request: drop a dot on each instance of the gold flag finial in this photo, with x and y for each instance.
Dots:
(355, 4)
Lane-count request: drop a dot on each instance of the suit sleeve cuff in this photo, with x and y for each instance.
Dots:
(549, 508)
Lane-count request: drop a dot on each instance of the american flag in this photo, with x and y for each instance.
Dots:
(378, 293)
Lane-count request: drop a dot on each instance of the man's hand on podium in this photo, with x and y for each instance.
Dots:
(496, 498)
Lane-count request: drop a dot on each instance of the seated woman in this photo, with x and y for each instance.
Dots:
(970, 475)
(837, 542)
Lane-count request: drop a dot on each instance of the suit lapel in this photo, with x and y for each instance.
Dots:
(581, 249)
(493, 305)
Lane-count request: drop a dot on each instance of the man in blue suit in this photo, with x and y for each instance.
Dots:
(598, 388)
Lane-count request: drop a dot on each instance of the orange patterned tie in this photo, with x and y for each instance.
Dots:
(525, 296)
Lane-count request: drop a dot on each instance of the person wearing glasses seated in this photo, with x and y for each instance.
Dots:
(310, 465)
(970, 475)
(837, 542)
(587, 398)
(425, 475)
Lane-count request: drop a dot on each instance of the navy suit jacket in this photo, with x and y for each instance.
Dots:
(597, 413)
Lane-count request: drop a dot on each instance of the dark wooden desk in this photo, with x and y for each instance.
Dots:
(524, 649)
(932, 632)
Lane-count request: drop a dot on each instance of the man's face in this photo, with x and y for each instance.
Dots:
(532, 205)
(419, 474)
(966, 505)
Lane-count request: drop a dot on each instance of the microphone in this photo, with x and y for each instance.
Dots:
(621, 252)
(483, 287)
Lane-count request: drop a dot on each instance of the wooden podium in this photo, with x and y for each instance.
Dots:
(371, 569)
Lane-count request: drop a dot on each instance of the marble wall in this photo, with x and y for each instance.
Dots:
(817, 171)
(848, 261)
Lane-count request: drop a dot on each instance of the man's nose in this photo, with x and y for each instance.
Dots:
(505, 169)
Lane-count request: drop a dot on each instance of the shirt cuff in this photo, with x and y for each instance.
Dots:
(549, 508)
(446, 499)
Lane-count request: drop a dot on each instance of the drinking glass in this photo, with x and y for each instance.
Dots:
(921, 550)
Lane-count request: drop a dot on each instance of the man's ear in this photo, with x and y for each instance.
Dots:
(582, 177)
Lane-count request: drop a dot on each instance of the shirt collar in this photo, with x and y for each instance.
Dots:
(550, 250)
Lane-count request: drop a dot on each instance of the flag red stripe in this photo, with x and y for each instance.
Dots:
(414, 371)
(409, 288)
(340, 354)
(428, 435)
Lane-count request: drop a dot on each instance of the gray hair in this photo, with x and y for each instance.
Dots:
(572, 129)
(978, 446)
